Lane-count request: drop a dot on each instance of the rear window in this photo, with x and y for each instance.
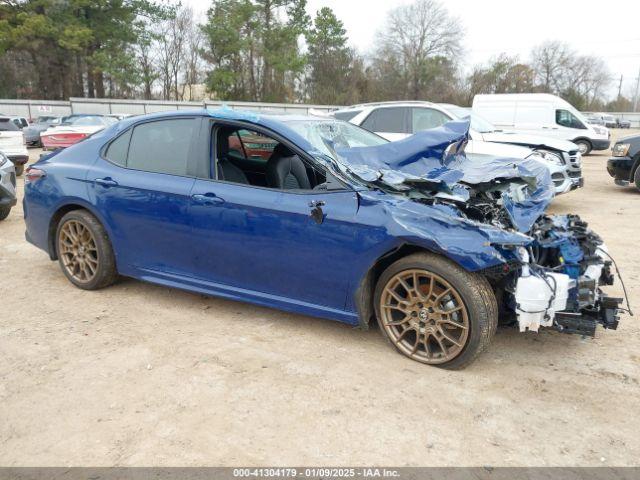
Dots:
(7, 125)
(346, 116)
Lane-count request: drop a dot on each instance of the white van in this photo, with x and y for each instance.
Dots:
(543, 114)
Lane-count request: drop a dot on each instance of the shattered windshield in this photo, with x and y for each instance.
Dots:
(336, 133)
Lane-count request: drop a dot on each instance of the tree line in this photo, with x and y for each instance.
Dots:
(269, 51)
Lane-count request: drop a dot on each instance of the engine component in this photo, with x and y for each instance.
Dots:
(539, 295)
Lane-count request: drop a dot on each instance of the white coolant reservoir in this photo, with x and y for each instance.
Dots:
(534, 294)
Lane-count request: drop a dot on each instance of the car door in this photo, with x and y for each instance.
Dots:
(292, 246)
(392, 123)
(141, 186)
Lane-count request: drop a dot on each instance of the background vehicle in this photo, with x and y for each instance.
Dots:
(33, 131)
(119, 116)
(7, 186)
(12, 144)
(624, 166)
(609, 120)
(543, 114)
(622, 123)
(19, 122)
(72, 129)
(398, 120)
(593, 120)
(333, 224)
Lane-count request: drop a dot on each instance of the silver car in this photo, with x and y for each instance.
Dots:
(7, 186)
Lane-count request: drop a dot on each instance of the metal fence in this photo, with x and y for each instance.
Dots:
(36, 108)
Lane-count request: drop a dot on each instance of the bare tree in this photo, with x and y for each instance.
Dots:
(193, 67)
(171, 50)
(553, 62)
(413, 35)
(591, 77)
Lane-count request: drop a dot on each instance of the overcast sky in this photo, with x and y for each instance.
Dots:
(514, 27)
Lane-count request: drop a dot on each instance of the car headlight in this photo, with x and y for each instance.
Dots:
(547, 156)
(3, 159)
(621, 149)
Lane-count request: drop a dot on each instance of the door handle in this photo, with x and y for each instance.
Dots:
(207, 199)
(316, 210)
(106, 182)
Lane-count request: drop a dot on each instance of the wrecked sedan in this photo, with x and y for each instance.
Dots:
(335, 222)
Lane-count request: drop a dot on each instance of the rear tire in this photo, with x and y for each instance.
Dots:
(431, 326)
(84, 251)
(4, 212)
(584, 146)
(19, 170)
(636, 178)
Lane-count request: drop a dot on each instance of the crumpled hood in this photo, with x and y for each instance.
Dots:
(433, 162)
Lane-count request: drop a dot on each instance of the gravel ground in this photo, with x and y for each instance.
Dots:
(144, 375)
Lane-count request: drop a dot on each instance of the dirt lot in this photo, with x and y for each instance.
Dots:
(143, 375)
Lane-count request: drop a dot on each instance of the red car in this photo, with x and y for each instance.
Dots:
(73, 129)
(251, 145)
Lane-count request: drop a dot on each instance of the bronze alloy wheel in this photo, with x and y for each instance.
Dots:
(424, 316)
(78, 251)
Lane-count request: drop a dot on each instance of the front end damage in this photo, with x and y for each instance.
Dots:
(559, 281)
(546, 271)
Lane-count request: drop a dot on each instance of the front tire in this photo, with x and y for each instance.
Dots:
(4, 212)
(84, 251)
(435, 312)
(584, 146)
(636, 178)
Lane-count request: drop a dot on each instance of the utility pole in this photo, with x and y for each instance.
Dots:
(620, 88)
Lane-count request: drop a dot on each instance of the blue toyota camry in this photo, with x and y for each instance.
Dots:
(317, 216)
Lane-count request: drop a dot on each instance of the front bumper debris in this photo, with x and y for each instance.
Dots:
(559, 284)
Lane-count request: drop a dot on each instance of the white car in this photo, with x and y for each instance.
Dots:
(12, 144)
(568, 152)
(542, 114)
(73, 129)
(398, 120)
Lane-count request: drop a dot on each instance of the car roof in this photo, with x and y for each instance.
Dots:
(276, 121)
(229, 114)
(402, 103)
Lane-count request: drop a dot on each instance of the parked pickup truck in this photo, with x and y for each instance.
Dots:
(624, 165)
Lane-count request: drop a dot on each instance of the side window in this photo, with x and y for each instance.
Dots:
(255, 145)
(426, 118)
(161, 146)
(117, 150)
(387, 120)
(567, 119)
(250, 157)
